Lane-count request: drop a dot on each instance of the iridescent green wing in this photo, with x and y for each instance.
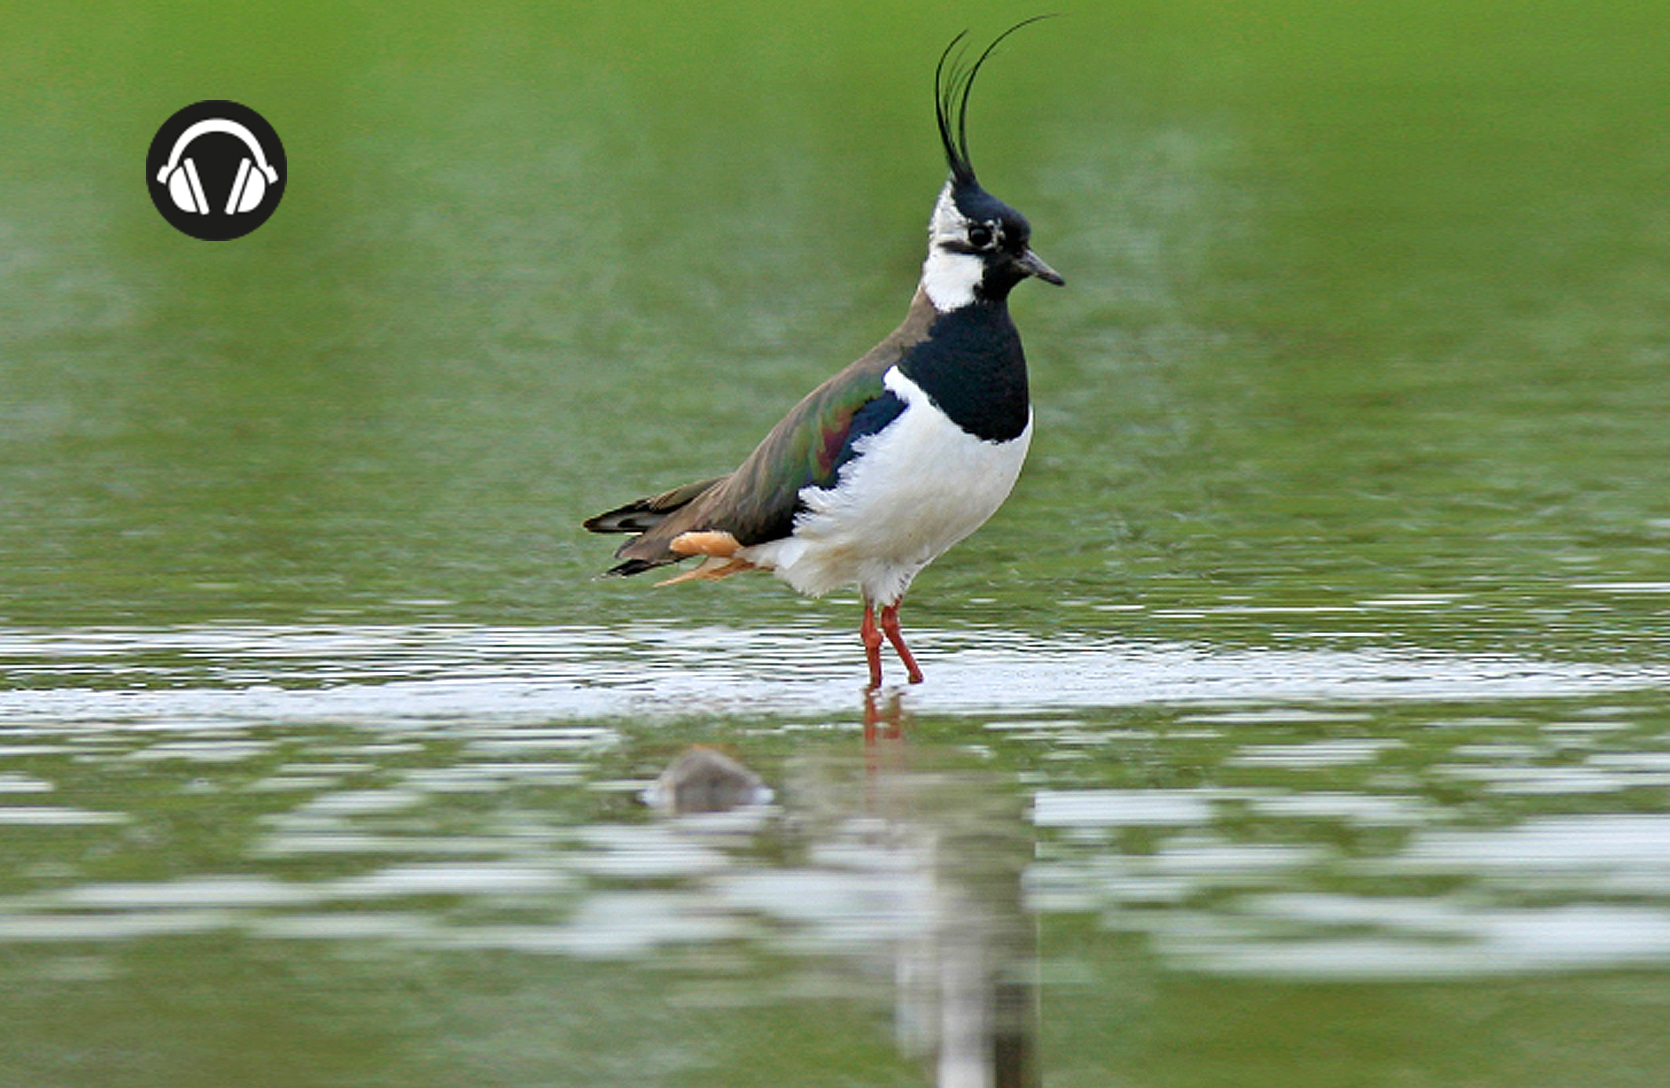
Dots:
(808, 448)
(758, 501)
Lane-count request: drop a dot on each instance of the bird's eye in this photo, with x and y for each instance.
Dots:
(979, 237)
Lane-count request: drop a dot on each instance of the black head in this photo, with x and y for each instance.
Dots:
(979, 247)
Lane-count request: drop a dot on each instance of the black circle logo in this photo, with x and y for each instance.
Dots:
(216, 170)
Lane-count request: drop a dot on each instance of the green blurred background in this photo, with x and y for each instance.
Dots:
(1359, 297)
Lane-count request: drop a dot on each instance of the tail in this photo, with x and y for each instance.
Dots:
(643, 515)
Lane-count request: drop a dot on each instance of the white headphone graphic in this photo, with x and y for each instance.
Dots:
(187, 190)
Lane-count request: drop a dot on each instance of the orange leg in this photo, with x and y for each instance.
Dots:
(872, 644)
(890, 625)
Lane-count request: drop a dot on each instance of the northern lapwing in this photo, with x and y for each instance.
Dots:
(910, 449)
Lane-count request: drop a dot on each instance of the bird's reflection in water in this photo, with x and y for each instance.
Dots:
(917, 857)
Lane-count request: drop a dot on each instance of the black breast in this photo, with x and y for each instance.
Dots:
(971, 365)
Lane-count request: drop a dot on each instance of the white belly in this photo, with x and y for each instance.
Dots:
(916, 488)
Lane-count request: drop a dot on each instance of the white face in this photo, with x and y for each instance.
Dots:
(948, 276)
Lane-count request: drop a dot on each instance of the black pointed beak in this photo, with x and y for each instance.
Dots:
(1033, 265)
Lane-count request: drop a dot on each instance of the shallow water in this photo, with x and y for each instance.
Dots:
(1303, 719)
(235, 845)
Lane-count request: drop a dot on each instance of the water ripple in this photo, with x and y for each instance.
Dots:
(517, 675)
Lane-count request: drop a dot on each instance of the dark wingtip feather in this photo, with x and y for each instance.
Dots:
(631, 567)
(642, 515)
(628, 519)
(951, 91)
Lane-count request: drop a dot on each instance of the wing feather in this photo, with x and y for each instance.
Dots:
(644, 514)
(808, 447)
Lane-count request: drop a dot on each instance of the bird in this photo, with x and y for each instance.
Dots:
(902, 454)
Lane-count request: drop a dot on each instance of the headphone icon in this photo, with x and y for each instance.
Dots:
(187, 191)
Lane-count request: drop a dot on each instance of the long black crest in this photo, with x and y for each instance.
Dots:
(951, 88)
